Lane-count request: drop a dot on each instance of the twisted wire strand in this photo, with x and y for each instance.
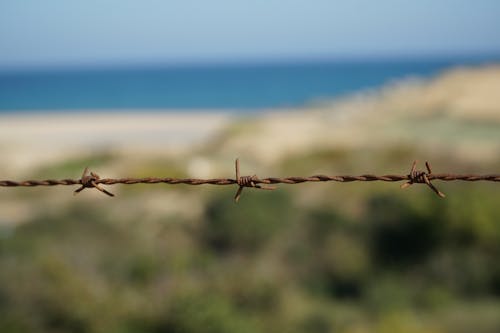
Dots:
(269, 180)
(92, 180)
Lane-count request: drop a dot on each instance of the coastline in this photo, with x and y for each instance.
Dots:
(31, 139)
(457, 112)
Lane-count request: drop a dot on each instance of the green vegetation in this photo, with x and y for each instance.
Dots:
(360, 258)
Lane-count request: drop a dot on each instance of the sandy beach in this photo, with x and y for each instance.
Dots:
(33, 139)
(457, 112)
(453, 121)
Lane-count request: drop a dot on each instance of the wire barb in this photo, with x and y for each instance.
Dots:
(90, 180)
(421, 177)
(247, 181)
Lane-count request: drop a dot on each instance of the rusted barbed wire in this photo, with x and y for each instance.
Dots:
(92, 180)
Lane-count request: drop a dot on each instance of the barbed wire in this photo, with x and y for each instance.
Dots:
(92, 180)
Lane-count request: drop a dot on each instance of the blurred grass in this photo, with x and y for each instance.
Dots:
(322, 258)
(73, 167)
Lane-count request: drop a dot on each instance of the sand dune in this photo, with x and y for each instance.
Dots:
(458, 111)
(33, 139)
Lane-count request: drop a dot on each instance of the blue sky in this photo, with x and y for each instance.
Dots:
(54, 33)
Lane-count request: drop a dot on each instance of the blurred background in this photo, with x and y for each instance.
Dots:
(293, 88)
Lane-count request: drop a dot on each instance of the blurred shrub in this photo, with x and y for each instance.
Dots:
(347, 263)
(248, 225)
(402, 232)
(397, 263)
(472, 217)
(204, 312)
(329, 252)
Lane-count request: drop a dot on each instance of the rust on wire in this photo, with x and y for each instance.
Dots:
(247, 181)
(421, 177)
(89, 180)
(92, 180)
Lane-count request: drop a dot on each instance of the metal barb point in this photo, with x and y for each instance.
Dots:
(421, 177)
(247, 181)
(89, 180)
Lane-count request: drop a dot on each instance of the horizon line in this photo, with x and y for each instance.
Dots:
(248, 61)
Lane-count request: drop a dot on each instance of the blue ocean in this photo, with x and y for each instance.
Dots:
(243, 87)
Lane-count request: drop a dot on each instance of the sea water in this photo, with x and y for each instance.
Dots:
(243, 87)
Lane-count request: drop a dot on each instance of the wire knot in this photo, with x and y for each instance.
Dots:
(421, 177)
(247, 181)
(90, 180)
